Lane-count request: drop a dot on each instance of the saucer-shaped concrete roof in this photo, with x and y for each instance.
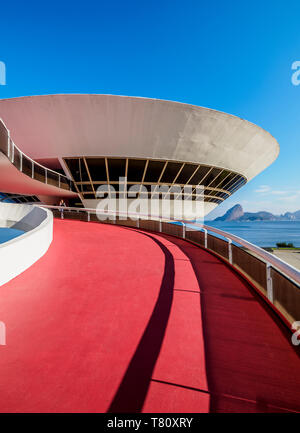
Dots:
(57, 126)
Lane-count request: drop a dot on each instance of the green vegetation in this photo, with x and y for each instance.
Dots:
(285, 245)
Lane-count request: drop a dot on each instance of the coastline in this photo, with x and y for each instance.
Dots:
(290, 256)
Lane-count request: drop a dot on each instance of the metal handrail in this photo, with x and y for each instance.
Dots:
(290, 271)
(37, 163)
(34, 163)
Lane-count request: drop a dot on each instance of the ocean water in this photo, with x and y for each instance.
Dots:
(6, 234)
(262, 233)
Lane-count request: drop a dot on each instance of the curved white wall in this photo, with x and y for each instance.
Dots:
(10, 213)
(20, 253)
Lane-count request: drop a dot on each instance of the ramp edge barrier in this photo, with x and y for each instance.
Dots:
(18, 254)
(277, 281)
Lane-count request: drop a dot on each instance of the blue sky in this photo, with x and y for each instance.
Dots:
(234, 56)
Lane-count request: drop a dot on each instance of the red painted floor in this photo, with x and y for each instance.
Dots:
(112, 319)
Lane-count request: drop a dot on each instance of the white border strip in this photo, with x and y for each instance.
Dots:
(20, 253)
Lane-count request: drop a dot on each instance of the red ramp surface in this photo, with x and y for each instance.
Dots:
(116, 319)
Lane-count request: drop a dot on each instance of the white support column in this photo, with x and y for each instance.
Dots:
(89, 217)
(183, 230)
(32, 170)
(205, 238)
(138, 223)
(8, 144)
(160, 225)
(269, 283)
(12, 152)
(230, 251)
(46, 176)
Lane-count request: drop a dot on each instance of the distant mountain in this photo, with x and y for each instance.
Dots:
(232, 214)
(236, 213)
(292, 215)
(258, 216)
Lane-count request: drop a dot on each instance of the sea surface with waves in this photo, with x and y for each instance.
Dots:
(262, 233)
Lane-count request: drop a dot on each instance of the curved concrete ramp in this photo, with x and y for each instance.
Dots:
(116, 319)
(14, 181)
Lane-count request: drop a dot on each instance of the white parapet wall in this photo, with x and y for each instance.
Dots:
(10, 213)
(20, 253)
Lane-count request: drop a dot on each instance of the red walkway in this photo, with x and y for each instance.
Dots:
(112, 319)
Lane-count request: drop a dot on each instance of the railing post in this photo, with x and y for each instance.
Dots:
(138, 223)
(62, 214)
(89, 217)
(21, 161)
(59, 181)
(8, 144)
(12, 152)
(205, 238)
(269, 283)
(230, 251)
(160, 225)
(183, 230)
(32, 170)
(46, 176)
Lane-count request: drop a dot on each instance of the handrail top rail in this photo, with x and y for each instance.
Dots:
(290, 271)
